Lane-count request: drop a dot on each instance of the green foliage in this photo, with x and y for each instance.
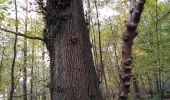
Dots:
(149, 47)
(2, 16)
(2, 1)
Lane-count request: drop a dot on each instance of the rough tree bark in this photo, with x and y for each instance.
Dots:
(73, 75)
(128, 36)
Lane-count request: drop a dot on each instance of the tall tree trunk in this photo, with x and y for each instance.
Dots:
(25, 57)
(73, 75)
(25, 71)
(115, 51)
(128, 36)
(15, 55)
(103, 76)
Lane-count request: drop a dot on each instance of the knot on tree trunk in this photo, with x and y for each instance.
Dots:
(131, 25)
(128, 38)
(74, 39)
(128, 61)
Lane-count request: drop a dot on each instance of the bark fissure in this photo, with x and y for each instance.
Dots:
(73, 75)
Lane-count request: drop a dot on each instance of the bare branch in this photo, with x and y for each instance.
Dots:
(23, 35)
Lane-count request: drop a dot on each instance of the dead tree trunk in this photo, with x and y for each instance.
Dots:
(73, 75)
(128, 36)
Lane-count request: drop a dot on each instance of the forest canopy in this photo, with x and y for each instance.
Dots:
(84, 50)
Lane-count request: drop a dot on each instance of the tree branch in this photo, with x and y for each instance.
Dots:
(23, 35)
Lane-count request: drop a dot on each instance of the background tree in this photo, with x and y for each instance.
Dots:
(150, 80)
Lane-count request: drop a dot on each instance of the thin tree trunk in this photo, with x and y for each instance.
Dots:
(136, 88)
(36, 82)
(156, 81)
(115, 51)
(94, 48)
(88, 15)
(158, 51)
(1, 63)
(150, 86)
(25, 71)
(14, 56)
(128, 37)
(4, 95)
(73, 75)
(100, 48)
(44, 73)
(25, 57)
(32, 74)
